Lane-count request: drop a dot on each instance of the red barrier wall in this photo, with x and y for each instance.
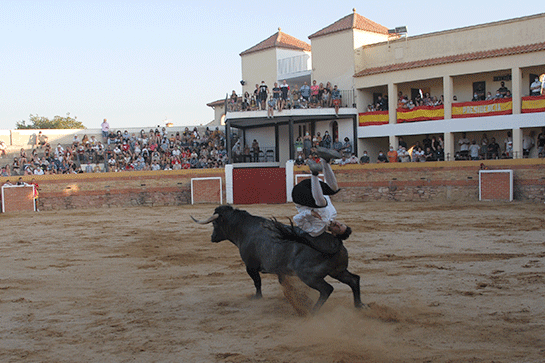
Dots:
(259, 185)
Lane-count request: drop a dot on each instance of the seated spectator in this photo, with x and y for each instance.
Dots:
(429, 155)
(353, 159)
(392, 155)
(489, 96)
(535, 87)
(382, 158)
(508, 94)
(365, 158)
(418, 154)
(475, 97)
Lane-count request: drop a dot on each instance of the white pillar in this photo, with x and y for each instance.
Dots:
(517, 142)
(448, 93)
(229, 183)
(449, 146)
(393, 141)
(516, 92)
(392, 103)
(289, 180)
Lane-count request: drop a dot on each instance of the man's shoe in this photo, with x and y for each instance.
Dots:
(315, 168)
(328, 154)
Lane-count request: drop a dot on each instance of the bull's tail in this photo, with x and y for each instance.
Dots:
(325, 243)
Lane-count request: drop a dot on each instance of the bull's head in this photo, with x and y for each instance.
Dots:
(216, 219)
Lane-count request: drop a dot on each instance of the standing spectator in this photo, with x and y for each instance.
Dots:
(337, 145)
(440, 153)
(474, 150)
(3, 148)
(527, 144)
(276, 94)
(255, 151)
(314, 90)
(233, 101)
(263, 94)
(105, 127)
(305, 91)
(295, 96)
(41, 140)
(326, 140)
(336, 99)
(284, 92)
(347, 147)
(270, 110)
(402, 142)
(493, 149)
(484, 146)
(502, 90)
(307, 144)
(535, 87)
(464, 146)
(392, 155)
(508, 142)
(541, 141)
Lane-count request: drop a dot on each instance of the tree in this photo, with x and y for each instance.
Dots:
(58, 122)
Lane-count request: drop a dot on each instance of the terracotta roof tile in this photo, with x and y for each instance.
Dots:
(279, 40)
(536, 47)
(352, 21)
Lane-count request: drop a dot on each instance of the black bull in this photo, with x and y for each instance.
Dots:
(263, 250)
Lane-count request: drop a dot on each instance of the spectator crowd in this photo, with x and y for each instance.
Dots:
(121, 151)
(282, 96)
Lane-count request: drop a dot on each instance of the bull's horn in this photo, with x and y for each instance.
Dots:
(212, 218)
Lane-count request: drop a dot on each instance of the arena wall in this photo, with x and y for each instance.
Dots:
(456, 181)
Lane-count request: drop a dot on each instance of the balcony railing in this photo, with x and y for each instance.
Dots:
(243, 105)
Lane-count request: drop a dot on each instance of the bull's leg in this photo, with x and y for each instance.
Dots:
(318, 283)
(353, 281)
(254, 274)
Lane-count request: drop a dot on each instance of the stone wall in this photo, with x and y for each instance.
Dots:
(456, 181)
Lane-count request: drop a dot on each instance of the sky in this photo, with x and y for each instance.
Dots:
(140, 63)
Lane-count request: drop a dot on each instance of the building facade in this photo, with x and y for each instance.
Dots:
(367, 60)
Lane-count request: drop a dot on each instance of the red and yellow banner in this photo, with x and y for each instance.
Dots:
(502, 106)
(420, 113)
(373, 118)
(533, 104)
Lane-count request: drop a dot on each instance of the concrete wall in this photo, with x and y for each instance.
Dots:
(333, 59)
(257, 67)
(502, 34)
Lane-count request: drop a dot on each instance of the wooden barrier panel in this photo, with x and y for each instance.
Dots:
(496, 185)
(16, 198)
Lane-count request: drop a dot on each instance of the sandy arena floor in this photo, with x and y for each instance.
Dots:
(446, 283)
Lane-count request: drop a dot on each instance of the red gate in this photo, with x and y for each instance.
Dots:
(259, 185)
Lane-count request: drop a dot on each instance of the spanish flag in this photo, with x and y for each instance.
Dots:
(373, 118)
